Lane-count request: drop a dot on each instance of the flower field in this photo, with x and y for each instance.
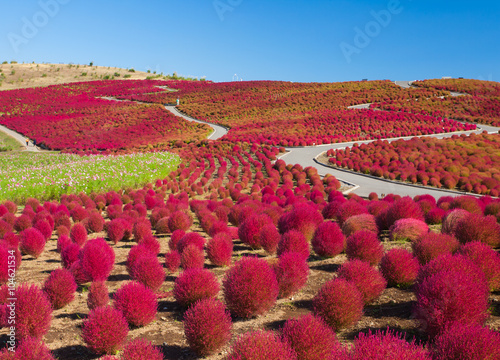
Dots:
(48, 176)
(468, 163)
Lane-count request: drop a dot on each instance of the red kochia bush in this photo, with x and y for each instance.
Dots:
(97, 259)
(62, 242)
(148, 270)
(450, 296)
(195, 284)
(294, 241)
(174, 239)
(461, 342)
(328, 240)
(98, 295)
(95, 222)
(249, 230)
(207, 326)
(137, 303)
(78, 234)
(349, 209)
(134, 254)
(60, 288)
(339, 303)
(474, 227)
(310, 338)
(22, 223)
(141, 349)
(179, 220)
(404, 208)
(250, 287)
(220, 249)
(172, 261)
(364, 245)
(292, 272)
(32, 242)
(70, 254)
(191, 238)
(359, 222)
(451, 221)
(386, 345)
(486, 259)
(408, 230)
(151, 243)
(116, 230)
(31, 349)
(303, 218)
(269, 238)
(399, 267)
(367, 279)
(432, 245)
(260, 345)
(44, 227)
(161, 226)
(192, 257)
(33, 312)
(105, 330)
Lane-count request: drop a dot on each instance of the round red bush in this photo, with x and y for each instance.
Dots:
(250, 287)
(137, 303)
(404, 208)
(192, 257)
(161, 226)
(148, 270)
(451, 221)
(191, 238)
(450, 296)
(387, 345)
(328, 240)
(349, 209)
(95, 223)
(78, 234)
(62, 242)
(408, 230)
(466, 202)
(135, 253)
(141, 349)
(142, 230)
(70, 254)
(179, 220)
(399, 267)
(294, 241)
(172, 261)
(33, 312)
(116, 230)
(98, 295)
(22, 223)
(474, 227)
(32, 349)
(249, 230)
(359, 222)
(105, 330)
(460, 342)
(176, 236)
(207, 326)
(260, 345)
(432, 245)
(310, 338)
(81, 277)
(364, 245)
(303, 218)
(292, 272)
(97, 259)
(220, 249)
(32, 242)
(486, 259)
(339, 303)
(367, 279)
(269, 238)
(195, 284)
(44, 227)
(435, 216)
(151, 243)
(60, 288)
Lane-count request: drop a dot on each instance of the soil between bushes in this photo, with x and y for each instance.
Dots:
(392, 309)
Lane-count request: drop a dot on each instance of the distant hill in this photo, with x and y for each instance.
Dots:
(18, 76)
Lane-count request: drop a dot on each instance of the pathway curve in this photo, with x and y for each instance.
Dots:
(219, 131)
(21, 139)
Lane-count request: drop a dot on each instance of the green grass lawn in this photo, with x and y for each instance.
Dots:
(8, 143)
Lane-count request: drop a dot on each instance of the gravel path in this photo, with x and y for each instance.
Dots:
(20, 139)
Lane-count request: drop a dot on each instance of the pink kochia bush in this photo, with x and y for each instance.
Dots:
(269, 238)
(474, 227)
(404, 208)
(399, 267)
(98, 295)
(33, 312)
(179, 220)
(141, 349)
(32, 242)
(172, 261)
(450, 296)
(359, 222)
(260, 345)
(137, 303)
(195, 284)
(97, 259)
(292, 272)
(386, 345)
(328, 240)
(294, 241)
(408, 230)
(367, 279)
(149, 271)
(451, 220)
(249, 230)
(192, 257)
(207, 326)
(432, 245)
(486, 259)
(105, 330)
(459, 342)
(250, 287)
(364, 245)
(339, 303)
(303, 218)
(69, 255)
(220, 249)
(310, 338)
(31, 349)
(78, 234)
(60, 288)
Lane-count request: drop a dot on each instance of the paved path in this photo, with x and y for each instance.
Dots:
(20, 139)
(219, 131)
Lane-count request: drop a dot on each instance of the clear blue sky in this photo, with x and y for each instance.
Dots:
(261, 39)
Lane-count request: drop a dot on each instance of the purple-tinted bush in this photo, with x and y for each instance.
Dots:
(32, 242)
(97, 259)
(78, 234)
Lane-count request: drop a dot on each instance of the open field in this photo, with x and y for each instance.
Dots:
(7, 143)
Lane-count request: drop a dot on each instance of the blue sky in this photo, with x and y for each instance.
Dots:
(261, 39)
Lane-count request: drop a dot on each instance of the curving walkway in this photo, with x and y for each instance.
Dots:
(21, 139)
(219, 131)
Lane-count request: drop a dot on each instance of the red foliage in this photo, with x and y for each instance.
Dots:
(260, 345)
(435, 216)
(249, 230)
(474, 227)
(195, 284)
(141, 349)
(404, 208)
(486, 259)
(105, 330)
(172, 261)
(179, 220)
(408, 230)
(359, 222)
(148, 270)
(116, 229)
(293, 241)
(269, 238)
(176, 236)
(432, 245)
(367, 279)
(135, 253)
(328, 240)
(399, 267)
(44, 227)
(32, 242)
(78, 234)
(137, 303)
(192, 257)
(303, 218)
(32, 349)
(98, 295)
(451, 220)
(33, 312)
(22, 223)
(95, 222)
(349, 209)
(220, 249)
(364, 245)
(468, 203)
(191, 238)
(97, 259)
(339, 303)
(292, 272)
(207, 326)
(60, 288)
(250, 287)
